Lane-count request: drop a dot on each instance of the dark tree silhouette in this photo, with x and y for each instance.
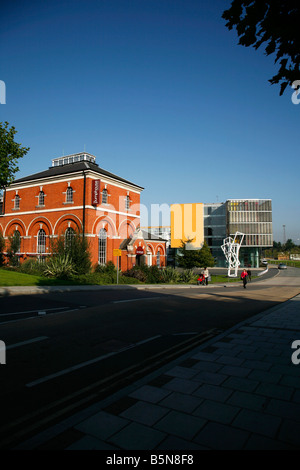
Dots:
(274, 24)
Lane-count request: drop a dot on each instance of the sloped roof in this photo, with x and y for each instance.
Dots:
(72, 168)
(151, 236)
(146, 236)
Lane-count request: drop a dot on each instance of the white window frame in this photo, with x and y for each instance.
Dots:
(69, 195)
(102, 247)
(17, 202)
(41, 241)
(41, 198)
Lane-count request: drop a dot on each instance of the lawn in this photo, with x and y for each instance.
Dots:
(220, 279)
(14, 278)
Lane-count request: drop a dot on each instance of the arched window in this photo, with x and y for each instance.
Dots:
(17, 202)
(41, 241)
(69, 237)
(158, 258)
(102, 256)
(41, 198)
(104, 196)
(17, 241)
(69, 194)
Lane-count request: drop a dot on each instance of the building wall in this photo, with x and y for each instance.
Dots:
(57, 214)
(253, 217)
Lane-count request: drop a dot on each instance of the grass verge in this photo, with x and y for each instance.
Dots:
(14, 278)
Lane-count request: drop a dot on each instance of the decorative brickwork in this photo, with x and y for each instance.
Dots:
(83, 197)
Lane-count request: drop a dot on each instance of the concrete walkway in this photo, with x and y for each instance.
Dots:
(240, 390)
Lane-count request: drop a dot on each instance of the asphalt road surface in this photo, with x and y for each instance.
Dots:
(65, 350)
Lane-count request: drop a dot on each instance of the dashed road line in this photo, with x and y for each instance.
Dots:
(29, 341)
(86, 363)
(134, 300)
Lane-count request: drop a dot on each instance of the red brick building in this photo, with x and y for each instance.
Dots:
(75, 194)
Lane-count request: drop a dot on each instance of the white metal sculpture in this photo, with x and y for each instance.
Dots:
(231, 248)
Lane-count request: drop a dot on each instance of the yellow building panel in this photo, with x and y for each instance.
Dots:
(187, 223)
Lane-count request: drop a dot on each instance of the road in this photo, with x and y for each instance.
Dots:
(67, 349)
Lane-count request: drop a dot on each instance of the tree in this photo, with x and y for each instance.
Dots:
(13, 248)
(274, 23)
(10, 152)
(289, 245)
(189, 258)
(277, 246)
(75, 249)
(206, 258)
(2, 248)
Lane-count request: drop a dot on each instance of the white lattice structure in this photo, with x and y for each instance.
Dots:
(231, 248)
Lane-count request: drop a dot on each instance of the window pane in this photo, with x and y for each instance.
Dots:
(102, 246)
(41, 198)
(69, 195)
(41, 241)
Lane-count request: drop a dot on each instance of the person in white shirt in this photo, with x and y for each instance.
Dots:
(206, 274)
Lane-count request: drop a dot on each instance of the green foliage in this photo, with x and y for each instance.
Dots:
(108, 268)
(59, 266)
(206, 258)
(13, 248)
(102, 278)
(170, 275)
(2, 248)
(278, 248)
(10, 152)
(108, 272)
(186, 257)
(189, 258)
(77, 249)
(154, 275)
(274, 24)
(32, 266)
(136, 273)
(147, 274)
(187, 276)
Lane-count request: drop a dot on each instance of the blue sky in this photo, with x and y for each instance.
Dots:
(160, 92)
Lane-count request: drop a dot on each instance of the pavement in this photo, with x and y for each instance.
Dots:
(238, 390)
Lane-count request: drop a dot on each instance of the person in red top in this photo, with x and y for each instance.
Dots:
(244, 277)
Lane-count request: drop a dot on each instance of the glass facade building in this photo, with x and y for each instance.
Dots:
(253, 217)
(215, 230)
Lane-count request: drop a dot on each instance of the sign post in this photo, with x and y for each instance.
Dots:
(117, 253)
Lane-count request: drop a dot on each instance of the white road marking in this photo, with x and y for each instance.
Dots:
(29, 341)
(86, 363)
(188, 333)
(134, 300)
(31, 311)
(147, 340)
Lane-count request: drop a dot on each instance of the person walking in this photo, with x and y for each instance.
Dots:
(206, 275)
(244, 277)
(249, 274)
